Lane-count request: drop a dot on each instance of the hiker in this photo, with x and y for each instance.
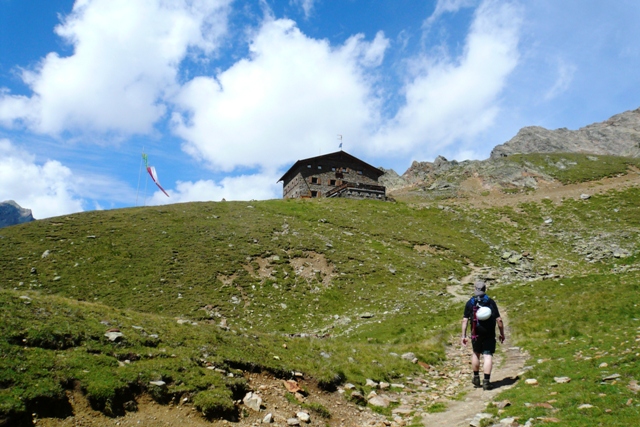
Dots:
(483, 333)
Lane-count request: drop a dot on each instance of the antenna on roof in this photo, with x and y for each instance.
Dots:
(340, 138)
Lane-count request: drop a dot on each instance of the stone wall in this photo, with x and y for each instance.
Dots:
(318, 176)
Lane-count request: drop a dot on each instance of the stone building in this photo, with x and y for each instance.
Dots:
(336, 174)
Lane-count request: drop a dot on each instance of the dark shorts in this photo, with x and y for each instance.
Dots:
(484, 346)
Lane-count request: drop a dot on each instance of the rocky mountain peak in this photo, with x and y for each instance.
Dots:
(619, 135)
(12, 213)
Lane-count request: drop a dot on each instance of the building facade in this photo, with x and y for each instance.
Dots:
(336, 174)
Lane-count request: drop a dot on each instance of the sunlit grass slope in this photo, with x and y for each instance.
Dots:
(335, 289)
(271, 273)
(571, 168)
(586, 329)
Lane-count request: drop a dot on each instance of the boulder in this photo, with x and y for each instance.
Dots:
(252, 401)
(380, 401)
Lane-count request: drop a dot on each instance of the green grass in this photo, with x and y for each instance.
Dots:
(437, 407)
(585, 328)
(316, 407)
(166, 277)
(570, 168)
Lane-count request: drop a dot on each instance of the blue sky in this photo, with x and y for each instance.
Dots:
(224, 96)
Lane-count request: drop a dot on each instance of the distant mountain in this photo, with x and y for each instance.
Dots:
(11, 214)
(618, 136)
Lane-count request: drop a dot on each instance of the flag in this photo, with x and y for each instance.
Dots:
(153, 173)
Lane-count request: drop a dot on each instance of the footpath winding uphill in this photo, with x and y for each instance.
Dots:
(508, 362)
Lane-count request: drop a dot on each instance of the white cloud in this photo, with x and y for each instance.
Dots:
(245, 187)
(454, 99)
(47, 189)
(448, 6)
(289, 98)
(306, 5)
(126, 56)
(563, 80)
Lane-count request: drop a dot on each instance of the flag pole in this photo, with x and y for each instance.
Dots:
(139, 175)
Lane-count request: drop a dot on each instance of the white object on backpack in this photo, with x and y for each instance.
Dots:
(483, 313)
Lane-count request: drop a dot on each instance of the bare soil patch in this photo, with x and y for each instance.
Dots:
(269, 388)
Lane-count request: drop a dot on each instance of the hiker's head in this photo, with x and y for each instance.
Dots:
(480, 288)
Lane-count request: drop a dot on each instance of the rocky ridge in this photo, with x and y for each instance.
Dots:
(619, 136)
(11, 214)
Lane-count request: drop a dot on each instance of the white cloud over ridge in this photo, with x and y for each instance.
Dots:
(245, 187)
(126, 57)
(47, 189)
(286, 100)
(291, 95)
(294, 93)
(454, 99)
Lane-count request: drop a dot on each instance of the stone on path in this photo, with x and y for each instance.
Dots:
(292, 386)
(252, 401)
(611, 377)
(477, 420)
(357, 396)
(403, 410)
(113, 336)
(502, 404)
(371, 383)
(380, 401)
(303, 416)
(408, 356)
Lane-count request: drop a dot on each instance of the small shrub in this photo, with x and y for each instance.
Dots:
(238, 386)
(331, 382)
(215, 403)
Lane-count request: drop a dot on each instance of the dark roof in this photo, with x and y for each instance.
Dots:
(339, 156)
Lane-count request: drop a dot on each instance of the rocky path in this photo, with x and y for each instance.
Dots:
(508, 362)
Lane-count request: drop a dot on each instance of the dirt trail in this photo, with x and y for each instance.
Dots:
(508, 362)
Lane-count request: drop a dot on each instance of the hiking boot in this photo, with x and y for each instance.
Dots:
(486, 385)
(476, 381)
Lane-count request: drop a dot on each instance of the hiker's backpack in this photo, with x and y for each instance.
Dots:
(480, 327)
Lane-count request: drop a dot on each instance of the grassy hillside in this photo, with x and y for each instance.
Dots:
(335, 289)
(570, 168)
